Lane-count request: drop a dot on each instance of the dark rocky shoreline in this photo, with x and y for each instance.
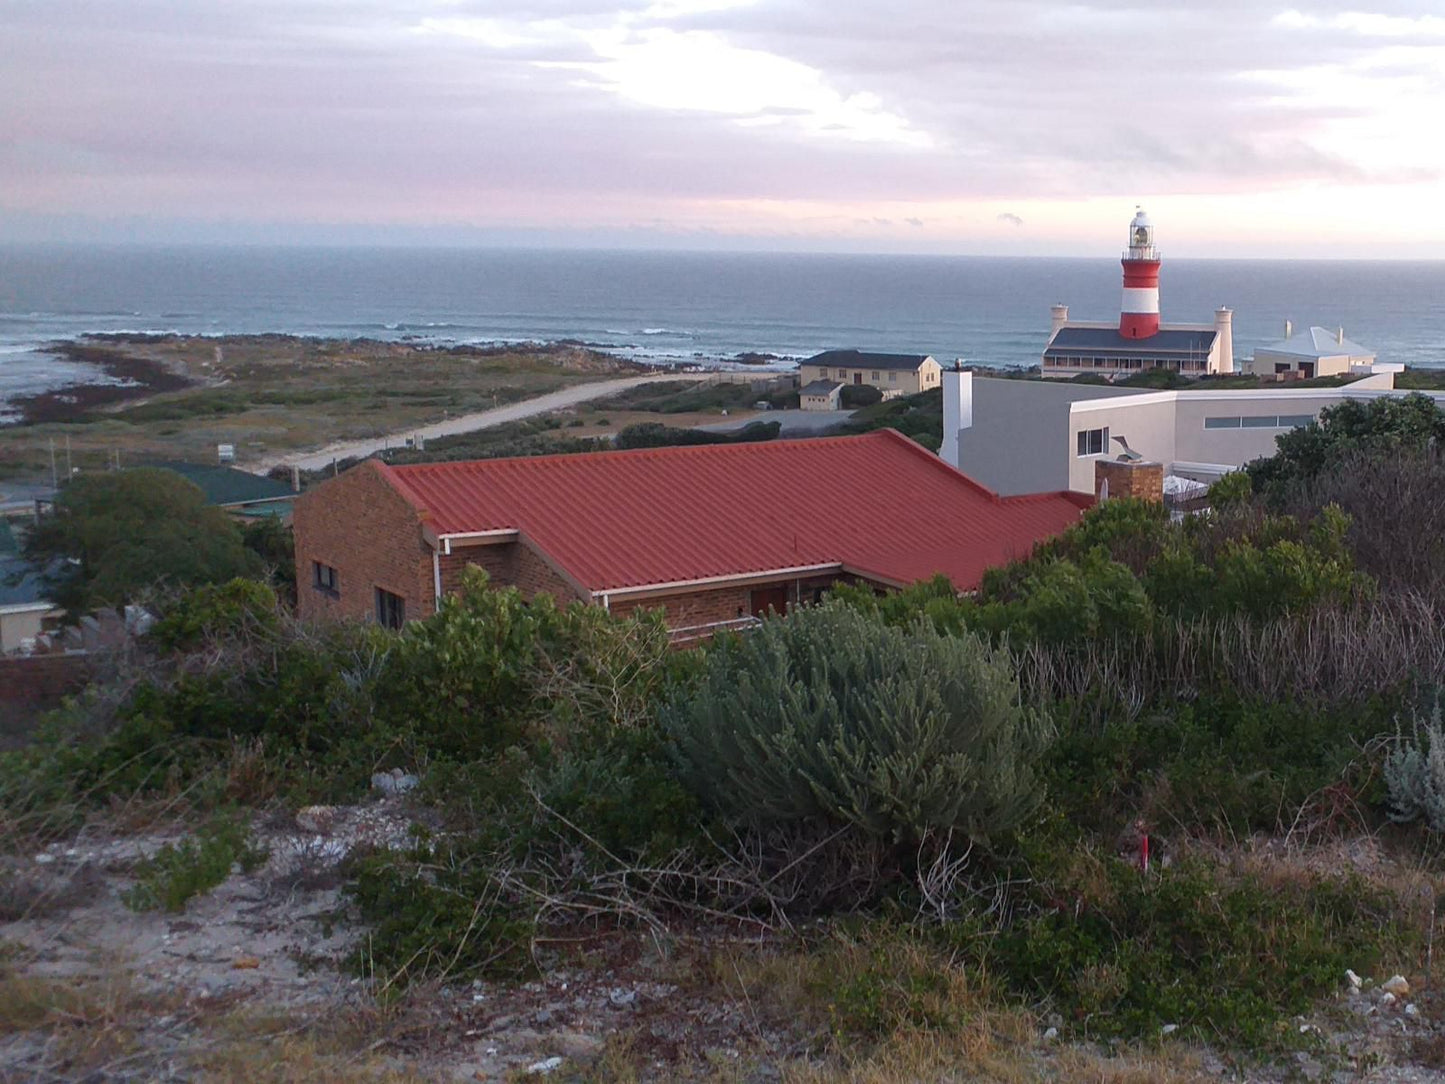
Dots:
(135, 378)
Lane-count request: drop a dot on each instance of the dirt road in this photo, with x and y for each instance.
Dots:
(467, 423)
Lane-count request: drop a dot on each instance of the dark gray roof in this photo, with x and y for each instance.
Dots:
(228, 486)
(860, 359)
(821, 387)
(1088, 341)
(25, 588)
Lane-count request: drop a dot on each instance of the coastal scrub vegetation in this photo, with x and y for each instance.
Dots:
(927, 809)
(114, 535)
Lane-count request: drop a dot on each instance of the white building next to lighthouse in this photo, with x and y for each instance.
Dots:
(1138, 341)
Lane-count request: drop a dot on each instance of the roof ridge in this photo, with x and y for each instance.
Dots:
(401, 470)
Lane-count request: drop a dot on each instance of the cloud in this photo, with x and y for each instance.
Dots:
(589, 113)
(1010, 218)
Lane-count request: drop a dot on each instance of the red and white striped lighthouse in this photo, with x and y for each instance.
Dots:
(1139, 315)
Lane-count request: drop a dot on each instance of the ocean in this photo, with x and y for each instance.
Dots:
(671, 306)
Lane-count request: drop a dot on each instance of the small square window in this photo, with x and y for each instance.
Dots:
(893, 378)
(875, 378)
(390, 609)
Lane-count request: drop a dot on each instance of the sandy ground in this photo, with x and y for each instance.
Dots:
(273, 943)
(467, 423)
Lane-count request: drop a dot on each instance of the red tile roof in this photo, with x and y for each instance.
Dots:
(877, 504)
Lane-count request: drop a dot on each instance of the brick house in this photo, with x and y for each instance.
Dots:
(711, 534)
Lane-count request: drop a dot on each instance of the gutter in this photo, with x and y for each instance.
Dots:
(505, 534)
(711, 581)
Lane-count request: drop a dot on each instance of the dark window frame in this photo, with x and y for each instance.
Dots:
(1086, 444)
(326, 579)
(390, 609)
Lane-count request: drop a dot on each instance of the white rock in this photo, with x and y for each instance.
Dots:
(1168, 1029)
(542, 1068)
(1051, 1034)
(1412, 1009)
(1354, 980)
(1397, 985)
(622, 999)
(395, 781)
(1387, 999)
(317, 818)
(44, 859)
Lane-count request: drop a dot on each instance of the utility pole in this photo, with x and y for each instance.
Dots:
(54, 482)
(69, 470)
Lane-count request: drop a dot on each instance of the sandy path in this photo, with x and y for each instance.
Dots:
(466, 423)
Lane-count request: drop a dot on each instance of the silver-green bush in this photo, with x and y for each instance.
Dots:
(826, 715)
(1415, 773)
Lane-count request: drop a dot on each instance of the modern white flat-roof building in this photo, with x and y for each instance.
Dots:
(1026, 436)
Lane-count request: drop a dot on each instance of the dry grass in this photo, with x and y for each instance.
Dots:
(104, 1026)
(927, 1058)
(332, 1048)
(85, 1024)
(273, 393)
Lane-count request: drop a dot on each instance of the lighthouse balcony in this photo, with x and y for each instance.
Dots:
(1142, 252)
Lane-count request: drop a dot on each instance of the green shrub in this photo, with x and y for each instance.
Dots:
(438, 910)
(1067, 603)
(853, 396)
(1391, 426)
(826, 715)
(1234, 490)
(1221, 763)
(176, 874)
(1222, 956)
(491, 667)
(238, 608)
(918, 417)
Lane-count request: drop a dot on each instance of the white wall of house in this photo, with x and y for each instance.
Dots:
(19, 623)
(1145, 421)
(1025, 434)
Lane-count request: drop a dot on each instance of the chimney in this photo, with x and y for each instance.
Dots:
(1224, 328)
(957, 410)
(1117, 478)
(1288, 329)
(1059, 316)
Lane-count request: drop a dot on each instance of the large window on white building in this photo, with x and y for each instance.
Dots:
(1260, 421)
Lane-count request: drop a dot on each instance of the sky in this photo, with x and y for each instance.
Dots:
(1029, 127)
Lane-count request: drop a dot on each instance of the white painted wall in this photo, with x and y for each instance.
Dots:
(20, 623)
(957, 411)
(1146, 421)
